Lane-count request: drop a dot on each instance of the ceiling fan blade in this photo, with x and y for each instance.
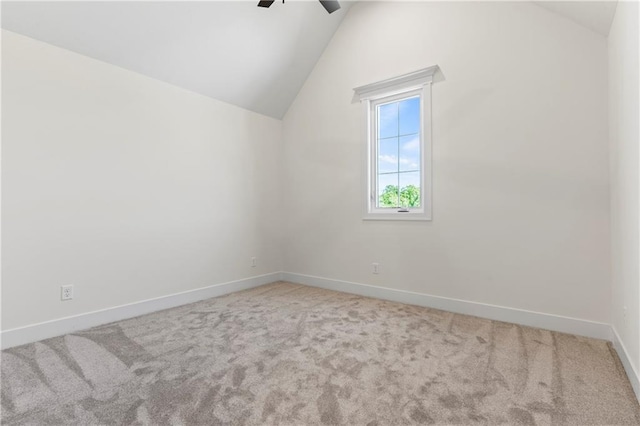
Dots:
(265, 3)
(330, 6)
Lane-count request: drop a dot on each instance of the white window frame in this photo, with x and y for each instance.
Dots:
(408, 85)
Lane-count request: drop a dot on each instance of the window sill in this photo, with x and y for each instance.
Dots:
(400, 217)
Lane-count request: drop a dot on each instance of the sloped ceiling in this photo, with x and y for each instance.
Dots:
(596, 15)
(233, 51)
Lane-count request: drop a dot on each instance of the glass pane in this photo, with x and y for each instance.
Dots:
(388, 120)
(388, 190)
(388, 155)
(410, 116)
(410, 189)
(410, 153)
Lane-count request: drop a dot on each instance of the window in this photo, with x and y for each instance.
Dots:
(398, 137)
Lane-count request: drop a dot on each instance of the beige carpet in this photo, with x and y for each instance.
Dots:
(296, 355)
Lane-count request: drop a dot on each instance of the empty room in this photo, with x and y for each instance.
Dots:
(310, 212)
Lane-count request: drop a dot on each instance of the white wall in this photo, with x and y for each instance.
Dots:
(130, 188)
(520, 171)
(126, 187)
(624, 130)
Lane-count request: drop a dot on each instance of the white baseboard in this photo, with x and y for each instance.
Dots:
(58, 327)
(500, 313)
(632, 373)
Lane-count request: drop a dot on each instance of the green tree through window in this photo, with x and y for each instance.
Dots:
(409, 196)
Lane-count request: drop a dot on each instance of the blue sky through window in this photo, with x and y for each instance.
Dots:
(398, 147)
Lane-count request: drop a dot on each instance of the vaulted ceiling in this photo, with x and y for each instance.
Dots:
(234, 51)
(595, 15)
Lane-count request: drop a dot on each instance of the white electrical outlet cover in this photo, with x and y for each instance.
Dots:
(66, 292)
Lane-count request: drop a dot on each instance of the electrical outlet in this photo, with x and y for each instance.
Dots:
(66, 292)
(254, 262)
(375, 268)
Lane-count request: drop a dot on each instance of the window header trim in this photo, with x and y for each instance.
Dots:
(401, 83)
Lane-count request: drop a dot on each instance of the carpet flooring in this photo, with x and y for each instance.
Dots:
(295, 355)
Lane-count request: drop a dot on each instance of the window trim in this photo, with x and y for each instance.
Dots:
(416, 83)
